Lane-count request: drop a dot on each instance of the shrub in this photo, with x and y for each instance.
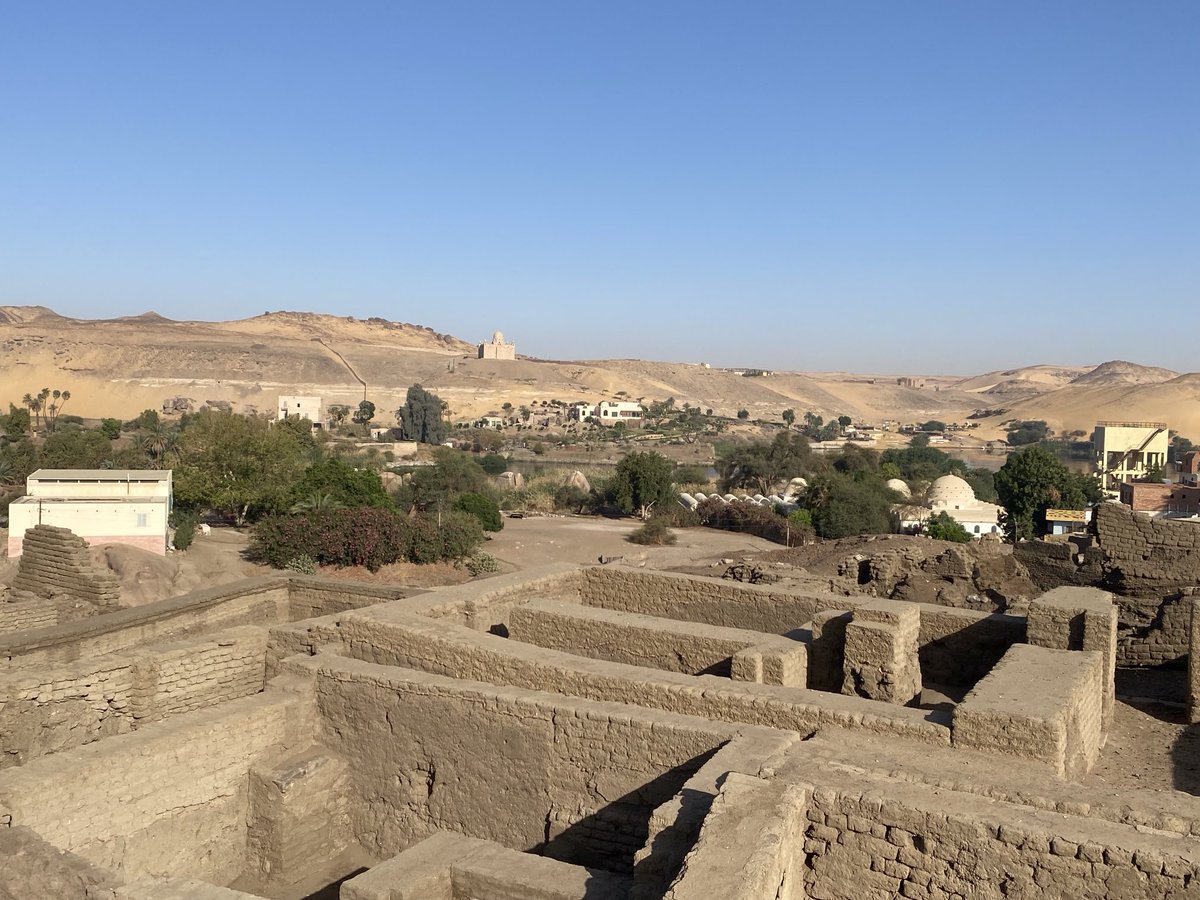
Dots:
(678, 516)
(571, 497)
(185, 523)
(457, 537)
(493, 463)
(750, 518)
(485, 509)
(655, 532)
(303, 564)
(482, 563)
(942, 527)
(360, 536)
(111, 428)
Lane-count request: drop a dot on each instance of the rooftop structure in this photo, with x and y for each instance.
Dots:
(310, 408)
(955, 497)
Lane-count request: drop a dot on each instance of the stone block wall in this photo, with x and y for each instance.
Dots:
(1075, 618)
(56, 561)
(1146, 557)
(21, 610)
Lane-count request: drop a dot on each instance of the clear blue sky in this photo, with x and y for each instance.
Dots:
(885, 186)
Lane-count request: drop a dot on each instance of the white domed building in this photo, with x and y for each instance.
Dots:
(900, 486)
(953, 496)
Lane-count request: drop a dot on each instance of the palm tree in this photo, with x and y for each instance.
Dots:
(318, 501)
(157, 440)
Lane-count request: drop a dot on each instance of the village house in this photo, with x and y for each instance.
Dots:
(102, 506)
(1158, 500)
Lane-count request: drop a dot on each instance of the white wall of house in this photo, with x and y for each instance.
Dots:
(141, 522)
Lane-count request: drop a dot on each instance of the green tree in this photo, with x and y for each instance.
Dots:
(342, 483)
(420, 418)
(762, 465)
(843, 505)
(642, 480)
(485, 509)
(1027, 432)
(76, 450)
(943, 527)
(434, 487)
(933, 425)
(844, 421)
(16, 423)
(364, 414)
(110, 428)
(789, 417)
(1032, 481)
(743, 413)
(338, 413)
(240, 466)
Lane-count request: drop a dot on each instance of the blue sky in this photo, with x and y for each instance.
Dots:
(875, 186)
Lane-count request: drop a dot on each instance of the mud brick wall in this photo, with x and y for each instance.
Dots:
(309, 598)
(170, 799)
(390, 637)
(1040, 704)
(21, 610)
(657, 643)
(33, 868)
(44, 710)
(56, 561)
(1146, 557)
(255, 601)
(899, 840)
(579, 779)
(1052, 564)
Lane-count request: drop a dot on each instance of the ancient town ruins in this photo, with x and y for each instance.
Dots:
(595, 732)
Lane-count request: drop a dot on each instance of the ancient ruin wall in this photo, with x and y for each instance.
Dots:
(56, 561)
(169, 800)
(391, 637)
(577, 780)
(1146, 557)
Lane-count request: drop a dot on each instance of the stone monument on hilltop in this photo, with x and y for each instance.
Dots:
(498, 348)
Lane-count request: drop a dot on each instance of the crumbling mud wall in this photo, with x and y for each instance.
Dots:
(56, 561)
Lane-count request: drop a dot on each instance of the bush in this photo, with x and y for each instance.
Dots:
(678, 516)
(485, 509)
(456, 538)
(943, 527)
(655, 532)
(110, 428)
(750, 518)
(571, 497)
(302, 564)
(494, 463)
(482, 564)
(185, 523)
(360, 536)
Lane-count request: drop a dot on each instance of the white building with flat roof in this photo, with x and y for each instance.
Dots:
(102, 506)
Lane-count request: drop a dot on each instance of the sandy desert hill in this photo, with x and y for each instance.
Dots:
(118, 367)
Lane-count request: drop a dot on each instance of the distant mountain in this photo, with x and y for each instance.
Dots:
(118, 367)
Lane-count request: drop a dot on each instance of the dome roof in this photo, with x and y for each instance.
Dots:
(951, 491)
(898, 485)
(497, 337)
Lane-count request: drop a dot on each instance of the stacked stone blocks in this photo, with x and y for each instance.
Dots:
(880, 654)
(56, 561)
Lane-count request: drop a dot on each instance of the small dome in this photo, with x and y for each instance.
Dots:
(498, 337)
(951, 491)
(898, 485)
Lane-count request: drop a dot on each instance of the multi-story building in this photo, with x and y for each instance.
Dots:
(102, 506)
(1127, 451)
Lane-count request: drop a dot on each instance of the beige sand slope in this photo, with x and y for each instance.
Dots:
(118, 367)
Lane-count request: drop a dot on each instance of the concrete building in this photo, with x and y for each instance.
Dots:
(609, 412)
(309, 408)
(498, 348)
(1189, 468)
(1126, 451)
(102, 506)
(1158, 500)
